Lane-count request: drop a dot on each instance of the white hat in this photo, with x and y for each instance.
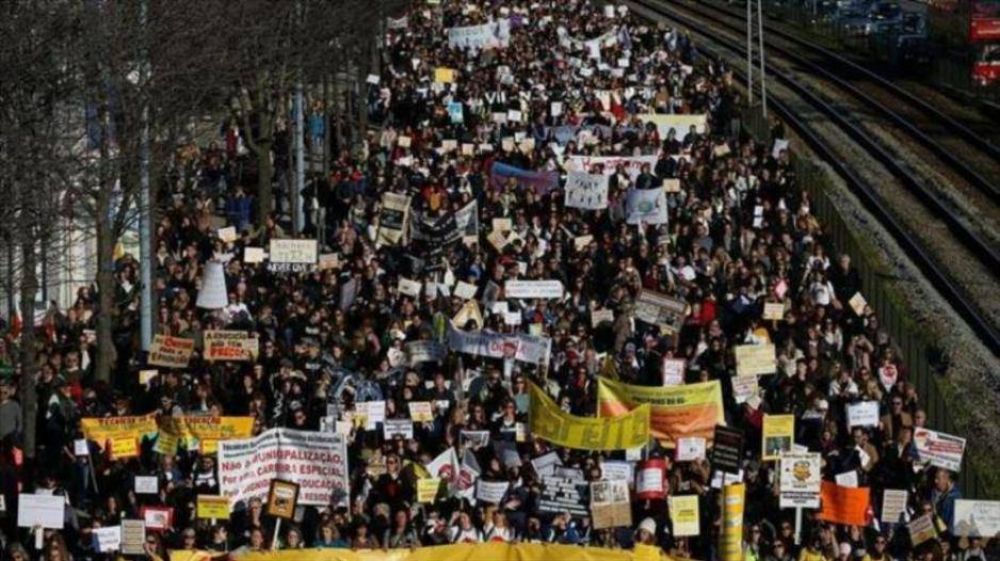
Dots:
(649, 525)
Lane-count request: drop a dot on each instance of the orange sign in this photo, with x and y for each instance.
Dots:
(844, 505)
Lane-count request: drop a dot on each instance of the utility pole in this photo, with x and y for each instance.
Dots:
(145, 210)
(760, 46)
(749, 52)
(763, 76)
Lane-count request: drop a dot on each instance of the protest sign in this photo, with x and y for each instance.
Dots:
(443, 75)
(646, 206)
(774, 311)
(45, 511)
(288, 255)
(586, 191)
(744, 388)
(317, 461)
(495, 34)
(673, 371)
(733, 505)
(609, 164)
(676, 411)
(894, 505)
(455, 113)
(392, 428)
(659, 309)
(598, 317)
(421, 411)
(922, 529)
(502, 175)
(133, 537)
(109, 538)
(146, 485)
(755, 360)
(609, 504)
(862, 414)
(800, 479)
(212, 507)
(427, 489)
(253, 255)
(690, 449)
(940, 449)
(727, 449)
(465, 290)
(546, 464)
(491, 491)
(844, 505)
(230, 345)
(393, 217)
(847, 478)
(976, 519)
(171, 352)
(779, 432)
(617, 470)
(409, 287)
(282, 498)
(563, 495)
(685, 515)
(858, 304)
(523, 347)
(419, 352)
(549, 422)
(157, 518)
(543, 289)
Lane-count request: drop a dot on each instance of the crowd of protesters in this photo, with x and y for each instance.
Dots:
(740, 233)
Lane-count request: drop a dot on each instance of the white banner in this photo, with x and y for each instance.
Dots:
(800, 480)
(487, 35)
(646, 206)
(617, 470)
(862, 414)
(425, 351)
(393, 427)
(316, 461)
(491, 491)
(976, 518)
(293, 251)
(942, 450)
(586, 191)
(633, 164)
(533, 289)
(521, 346)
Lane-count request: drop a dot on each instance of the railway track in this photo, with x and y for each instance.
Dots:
(976, 179)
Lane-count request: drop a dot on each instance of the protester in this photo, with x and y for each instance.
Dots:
(408, 305)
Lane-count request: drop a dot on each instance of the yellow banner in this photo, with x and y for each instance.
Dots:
(691, 410)
(427, 489)
(459, 552)
(102, 429)
(779, 433)
(166, 444)
(733, 497)
(629, 429)
(207, 430)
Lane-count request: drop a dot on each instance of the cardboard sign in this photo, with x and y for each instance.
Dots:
(650, 479)
(212, 507)
(491, 491)
(303, 252)
(228, 234)
(685, 515)
(673, 371)
(253, 255)
(133, 537)
(563, 495)
(541, 289)
(465, 290)
(282, 498)
(922, 529)
(779, 433)
(231, 345)
(847, 478)
(598, 317)
(609, 504)
(858, 304)
(444, 75)
(801, 476)
(171, 352)
(727, 449)
(109, 538)
(844, 505)
(755, 360)
(409, 287)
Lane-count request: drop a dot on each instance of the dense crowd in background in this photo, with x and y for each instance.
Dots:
(740, 232)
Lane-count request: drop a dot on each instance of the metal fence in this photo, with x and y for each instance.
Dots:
(878, 289)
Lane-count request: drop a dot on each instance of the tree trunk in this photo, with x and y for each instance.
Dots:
(29, 366)
(106, 299)
(265, 173)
